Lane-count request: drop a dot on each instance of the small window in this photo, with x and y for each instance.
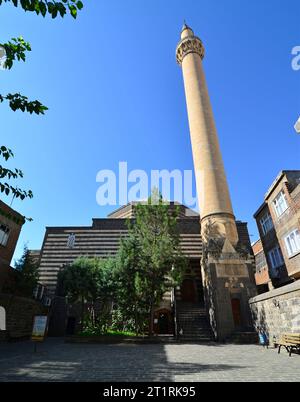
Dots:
(266, 223)
(71, 241)
(292, 242)
(260, 261)
(4, 234)
(275, 257)
(280, 204)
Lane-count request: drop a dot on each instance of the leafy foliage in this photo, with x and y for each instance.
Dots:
(6, 153)
(88, 280)
(131, 307)
(79, 280)
(43, 7)
(9, 174)
(160, 261)
(20, 102)
(15, 50)
(150, 262)
(26, 275)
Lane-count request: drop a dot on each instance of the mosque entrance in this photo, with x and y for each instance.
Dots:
(236, 312)
(189, 291)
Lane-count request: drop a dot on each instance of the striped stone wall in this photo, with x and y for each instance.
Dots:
(102, 239)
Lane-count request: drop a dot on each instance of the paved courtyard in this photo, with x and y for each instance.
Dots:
(57, 361)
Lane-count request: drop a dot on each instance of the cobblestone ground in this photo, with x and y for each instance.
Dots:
(57, 361)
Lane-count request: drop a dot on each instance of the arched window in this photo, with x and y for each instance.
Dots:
(2, 319)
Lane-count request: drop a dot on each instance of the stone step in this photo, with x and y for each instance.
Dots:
(246, 338)
(193, 317)
(195, 340)
(200, 336)
(193, 321)
(194, 330)
(191, 314)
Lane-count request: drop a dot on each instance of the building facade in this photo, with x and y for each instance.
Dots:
(62, 245)
(262, 276)
(11, 223)
(278, 222)
(276, 274)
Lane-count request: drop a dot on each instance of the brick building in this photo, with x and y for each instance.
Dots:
(62, 245)
(262, 275)
(278, 222)
(16, 313)
(11, 223)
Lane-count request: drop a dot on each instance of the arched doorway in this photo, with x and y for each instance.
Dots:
(188, 291)
(2, 319)
(163, 322)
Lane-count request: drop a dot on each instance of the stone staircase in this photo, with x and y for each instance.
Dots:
(193, 321)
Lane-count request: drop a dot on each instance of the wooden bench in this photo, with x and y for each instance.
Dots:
(290, 342)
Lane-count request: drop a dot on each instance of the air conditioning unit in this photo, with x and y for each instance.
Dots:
(297, 126)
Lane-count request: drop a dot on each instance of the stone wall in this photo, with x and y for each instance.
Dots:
(19, 315)
(277, 311)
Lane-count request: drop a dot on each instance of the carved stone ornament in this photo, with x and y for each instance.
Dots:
(191, 44)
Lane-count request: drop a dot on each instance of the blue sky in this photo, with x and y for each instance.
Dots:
(115, 93)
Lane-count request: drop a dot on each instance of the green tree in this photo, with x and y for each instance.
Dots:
(151, 258)
(26, 274)
(16, 49)
(130, 305)
(88, 281)
(79, 282)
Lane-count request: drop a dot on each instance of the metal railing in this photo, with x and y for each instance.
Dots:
(175, 312)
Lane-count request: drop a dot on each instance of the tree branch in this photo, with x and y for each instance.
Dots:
(20, 102)
(43, 7)
(15, 49)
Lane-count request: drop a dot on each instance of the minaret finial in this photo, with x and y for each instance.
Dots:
(185, 25)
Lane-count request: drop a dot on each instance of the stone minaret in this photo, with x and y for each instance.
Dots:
(213, 194)
(227, 270)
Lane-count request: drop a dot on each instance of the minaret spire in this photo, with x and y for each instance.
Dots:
(227, 272)
(213, 192)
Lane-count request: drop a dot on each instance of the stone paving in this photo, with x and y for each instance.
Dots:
(58, 361)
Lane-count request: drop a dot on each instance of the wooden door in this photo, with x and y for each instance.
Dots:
(236, 311)
(188, 291)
